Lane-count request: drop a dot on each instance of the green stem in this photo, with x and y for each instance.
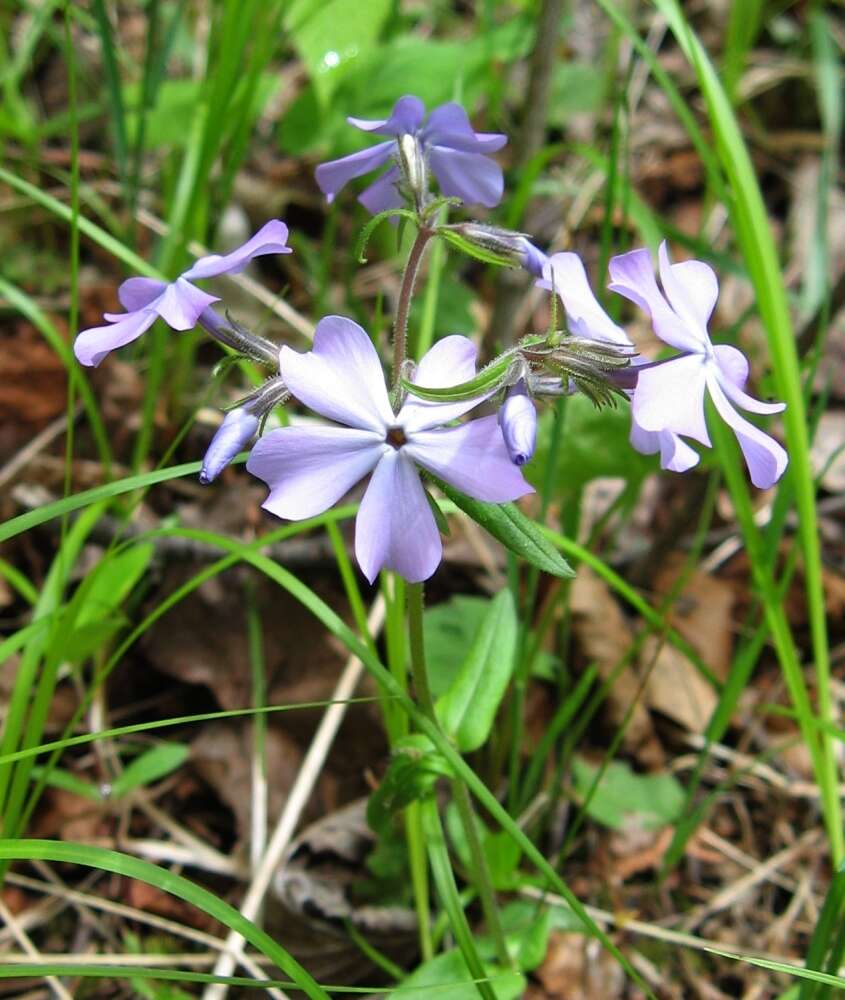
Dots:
(444, 879)
(396, 722)
(481, 872)
(403, 309)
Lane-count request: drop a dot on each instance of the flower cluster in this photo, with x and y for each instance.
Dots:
(399, 440)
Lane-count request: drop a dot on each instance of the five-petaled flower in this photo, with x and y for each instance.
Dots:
(455, 153)
(309, 468)
(670, 396)
(565, 273)
(180, 303)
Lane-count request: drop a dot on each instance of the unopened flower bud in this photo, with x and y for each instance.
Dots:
(518, 420)
(232, 334)
(413, 166)
(237, 430)
(513, 247)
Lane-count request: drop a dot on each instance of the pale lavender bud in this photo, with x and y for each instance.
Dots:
(237, 430)
(518, 420)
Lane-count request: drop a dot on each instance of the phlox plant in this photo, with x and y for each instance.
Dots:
(440, 425)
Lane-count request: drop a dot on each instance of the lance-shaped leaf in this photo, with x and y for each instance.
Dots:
(468, 708)
(507, 523)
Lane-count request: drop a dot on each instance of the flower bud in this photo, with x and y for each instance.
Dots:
(518, 420)
(238, 428)
(412, 166)
(514, 247)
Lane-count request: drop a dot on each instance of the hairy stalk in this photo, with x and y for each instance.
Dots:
(481, 872)
(400, 324)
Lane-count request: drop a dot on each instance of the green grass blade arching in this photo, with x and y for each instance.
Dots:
(755, 238)
(175, 885)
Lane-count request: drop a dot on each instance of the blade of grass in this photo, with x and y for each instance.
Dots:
(755, 238)
(171, 883)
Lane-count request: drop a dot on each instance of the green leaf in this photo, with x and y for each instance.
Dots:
(449, 630)
(527, 927)
(150, 766)
(507, 523)
(332, 36)
(411, 775)
(448, 978)
(59, 778)
(595, 444)
(111, 582)
(468, 708)
(622, 797)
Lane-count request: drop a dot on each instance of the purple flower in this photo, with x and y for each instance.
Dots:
(518, 420)
(179, 303)
(670, 396)
(453, 150)
(310, 468)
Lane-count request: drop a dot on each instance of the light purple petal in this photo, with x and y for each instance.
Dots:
(733, 372)
(765, 458)
(341, 377)
(395, 528)
(332, 176)
(271, 238)
(450, 361)
(473, 178)
(633, 277)
(181, 304)
(533, 258)
(239, 427)
(406, 117)
(565, 272)
(138, 293)
(670, 396)
(691, 288)
(91, 346)
(310, 468)
(382, 193)
(675, 454)
(472, 458)
(732, 364)
(449, 125)
(518, 420)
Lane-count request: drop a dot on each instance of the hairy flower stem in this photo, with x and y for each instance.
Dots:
(481, 872)
(406, 292)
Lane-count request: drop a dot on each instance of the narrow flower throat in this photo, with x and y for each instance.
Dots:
(395, 437)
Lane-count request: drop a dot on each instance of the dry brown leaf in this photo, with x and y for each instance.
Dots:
(576, 968)
(606, 638)
(222, 754)
(703, 614)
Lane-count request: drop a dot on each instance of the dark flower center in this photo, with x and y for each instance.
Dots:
(395, 437)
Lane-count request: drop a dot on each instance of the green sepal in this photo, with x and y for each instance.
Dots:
(484, 382)
(473, 250)
(507, 524)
